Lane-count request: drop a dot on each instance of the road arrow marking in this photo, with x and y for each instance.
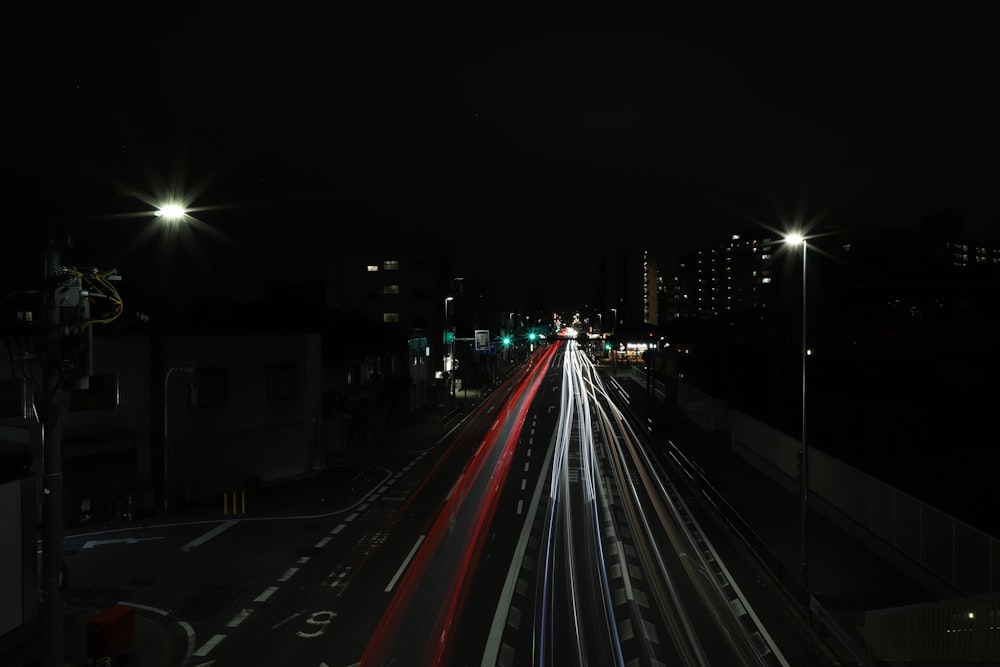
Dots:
(125, 540)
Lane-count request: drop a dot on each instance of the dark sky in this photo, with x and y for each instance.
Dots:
(525, 142)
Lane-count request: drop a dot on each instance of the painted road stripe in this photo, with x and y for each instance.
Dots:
(454, 486)
(239, 618)
(197, 542)
(322, 543)
(268, 592)
(339, 528)
(207, 647)
(352, 517)
(406, 562)
(520, 506)
(289, 573)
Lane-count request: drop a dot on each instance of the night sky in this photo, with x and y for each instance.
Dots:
(525, 142)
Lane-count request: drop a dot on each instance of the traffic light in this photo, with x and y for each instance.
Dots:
(506, 341)
(532, 335)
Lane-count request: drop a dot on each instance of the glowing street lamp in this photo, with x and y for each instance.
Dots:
(171, 212)
(796, 239)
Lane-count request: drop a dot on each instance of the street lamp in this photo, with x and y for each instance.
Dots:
(450, 371)
(799, 240)
(171, 212)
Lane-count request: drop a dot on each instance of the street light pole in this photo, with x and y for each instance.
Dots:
(450, 388)
(798, 239)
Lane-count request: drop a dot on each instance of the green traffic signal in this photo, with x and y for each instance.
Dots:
(506, 341)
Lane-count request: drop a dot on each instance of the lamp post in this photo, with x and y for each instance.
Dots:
(450, 371)
(796, 240)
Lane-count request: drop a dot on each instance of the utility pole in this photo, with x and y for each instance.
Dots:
(64, 353)
(52, 405)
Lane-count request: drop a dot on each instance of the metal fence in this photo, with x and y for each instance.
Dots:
(950, 632)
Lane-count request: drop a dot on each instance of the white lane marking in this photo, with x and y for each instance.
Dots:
(526, 466)
(134, 605)
(89, 544)
(492, 650)
(352, 517)
(339, 528)
(362, 508)
(529, 452)
(289, 573)
(629, 593)
(524, 482)
(268, 592)
(520, 506)
(207, 647)
(239, 618)
(190, 635)
(322, 543)
(406, 562)
(281, 623)
(454, 486)
(197, 542)
(303, 560)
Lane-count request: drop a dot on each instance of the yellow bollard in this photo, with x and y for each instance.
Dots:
(229, 502)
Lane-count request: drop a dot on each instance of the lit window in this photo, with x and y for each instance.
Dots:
(389, 318)
(765, 280)
(390, 289)
(372, 268)
(390, 265)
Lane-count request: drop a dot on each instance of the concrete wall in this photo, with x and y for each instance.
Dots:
(963, 558)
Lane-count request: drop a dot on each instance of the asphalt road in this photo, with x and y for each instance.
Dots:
(428, 551)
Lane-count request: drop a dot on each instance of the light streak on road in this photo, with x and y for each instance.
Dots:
(441, 570)
(608, 499)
